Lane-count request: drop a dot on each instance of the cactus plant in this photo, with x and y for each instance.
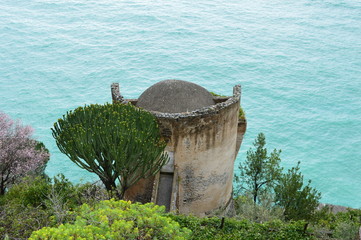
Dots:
(118, 142)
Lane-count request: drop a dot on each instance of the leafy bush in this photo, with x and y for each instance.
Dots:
(112, 219)
(342, 225)
(90, 193)
(36, 202)
(22, 208)
(245, 208)
(211, 228)
(299, 201)
(38, 191)
(30, 191)
(260, 171)
(241, 114)
(346, 230)
(18, 222)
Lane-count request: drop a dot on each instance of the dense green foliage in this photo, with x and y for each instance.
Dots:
(260, 171)
(298, 201)
(264, 211)
(261, 177)
(211, 228)
(29, 191)
(118, 142)
(22, 208)
(241, 114)
(342, 225)
(37, 202)
(116, 220)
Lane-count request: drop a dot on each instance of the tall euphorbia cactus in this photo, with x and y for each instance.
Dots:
(120, 143)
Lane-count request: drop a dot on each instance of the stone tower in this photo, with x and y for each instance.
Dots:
(203, 135)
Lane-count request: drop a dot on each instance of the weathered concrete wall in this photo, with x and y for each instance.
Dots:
(204, 144)
(204, 151)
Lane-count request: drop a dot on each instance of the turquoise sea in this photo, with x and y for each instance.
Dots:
(299, 64)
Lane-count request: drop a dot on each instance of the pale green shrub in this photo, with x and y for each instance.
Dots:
(112, 219)
(262, 212)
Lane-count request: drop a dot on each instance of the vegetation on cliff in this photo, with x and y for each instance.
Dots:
(62, 207)
(37, 202)
(261, 178)
(270, 203)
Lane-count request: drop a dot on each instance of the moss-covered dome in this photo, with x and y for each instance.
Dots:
(175, 96)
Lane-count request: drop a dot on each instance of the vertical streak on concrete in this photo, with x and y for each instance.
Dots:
(155, 188)
(174, 203)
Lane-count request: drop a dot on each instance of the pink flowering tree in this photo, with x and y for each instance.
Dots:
(19, 153)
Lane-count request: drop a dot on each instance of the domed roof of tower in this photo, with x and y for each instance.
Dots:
(175, 96)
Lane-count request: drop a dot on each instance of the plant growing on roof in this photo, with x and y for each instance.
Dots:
(120, 143)
(19, 153)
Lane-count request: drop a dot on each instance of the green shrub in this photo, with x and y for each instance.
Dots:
(18, 222)
(241, 114)
(245, 208)
(260, 171)
(38, 191)
(29, 191)
(22, 208)
(112, 219)
(211, 228)
(216, 94)
(90, 193)
(63, 196)
(36, 202)
(298, 200)
(342, 225)
(346, 230)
